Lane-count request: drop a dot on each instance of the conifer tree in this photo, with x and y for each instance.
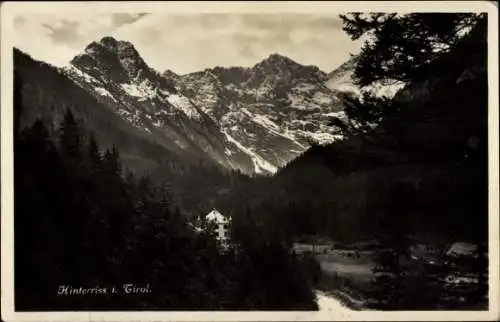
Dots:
(70, 138)
(401, 46)
(94, 153)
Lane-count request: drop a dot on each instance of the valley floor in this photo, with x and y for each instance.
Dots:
(347, 274)
(342, 275)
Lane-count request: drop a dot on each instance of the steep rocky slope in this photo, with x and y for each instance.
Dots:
(342, 80)
(114, 73)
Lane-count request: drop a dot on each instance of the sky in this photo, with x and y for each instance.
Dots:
(187, 43)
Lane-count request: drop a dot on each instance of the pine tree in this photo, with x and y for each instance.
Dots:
(94, 154)
(401, 47)
(70, 138)
(112, 162)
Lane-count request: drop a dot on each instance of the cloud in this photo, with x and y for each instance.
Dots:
(57, 39)
(119, 19)
(190, 42)
(66, 32)
(35, 36)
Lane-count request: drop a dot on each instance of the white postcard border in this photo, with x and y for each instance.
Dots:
(9, 9)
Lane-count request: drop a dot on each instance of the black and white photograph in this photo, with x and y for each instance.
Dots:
(334, 160)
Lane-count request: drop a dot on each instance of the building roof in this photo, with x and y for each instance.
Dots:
(462, 248)
(216, 216)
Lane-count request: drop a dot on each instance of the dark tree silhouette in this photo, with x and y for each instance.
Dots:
(400, 47)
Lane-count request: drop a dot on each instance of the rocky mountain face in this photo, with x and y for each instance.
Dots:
(116, 75)
(342, 80)
(254, 120)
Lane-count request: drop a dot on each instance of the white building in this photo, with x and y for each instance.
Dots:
(221, 226)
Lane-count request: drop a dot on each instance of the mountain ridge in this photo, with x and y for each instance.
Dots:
(275, 56)
(253, 119)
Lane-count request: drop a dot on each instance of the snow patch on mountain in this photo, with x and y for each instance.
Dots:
(183, 104)
(387, 89)
(305, 87)
(265, 122)
(228, 152)
(343, 83)
(322, 98)
(339, 114)
(132, 117)
(269, 125)
(102, 91)
(342, 80)
(72, 70)
(142, 90)
(321, 138)
(260, 165)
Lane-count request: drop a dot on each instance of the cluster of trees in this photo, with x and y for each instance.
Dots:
(403, 46)
(82, 220)
(182, 181)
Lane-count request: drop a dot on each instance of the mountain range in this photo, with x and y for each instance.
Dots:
(253, 120)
